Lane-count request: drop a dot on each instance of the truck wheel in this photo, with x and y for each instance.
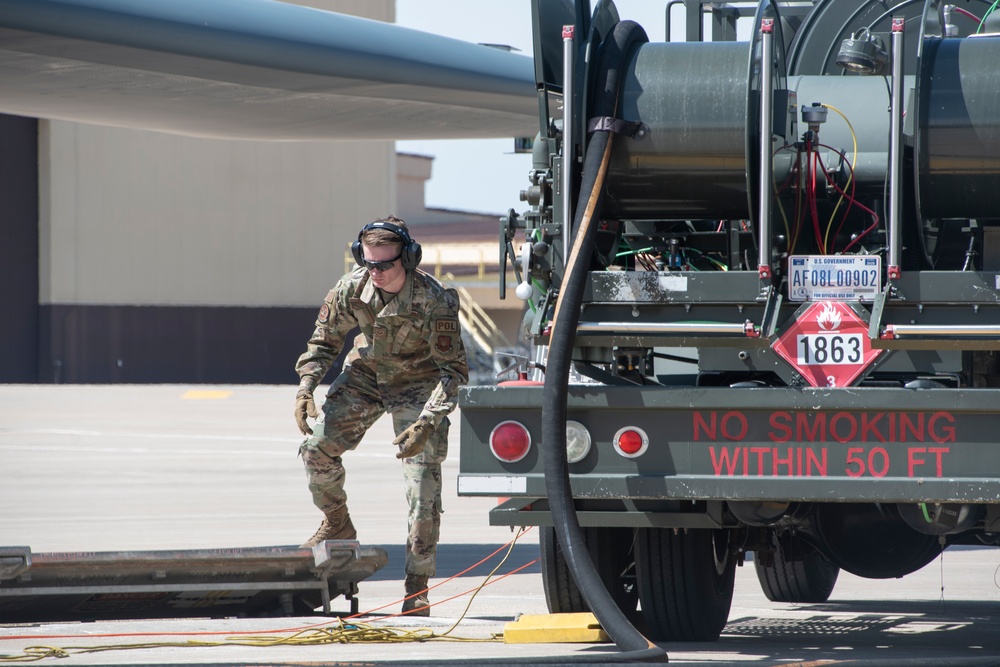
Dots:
(561, 594)
(685, 583)
(810, 577)
(611, 551)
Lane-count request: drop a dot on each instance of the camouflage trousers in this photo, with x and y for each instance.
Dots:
(347, 414)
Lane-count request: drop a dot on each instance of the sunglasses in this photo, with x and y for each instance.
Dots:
(384, 265)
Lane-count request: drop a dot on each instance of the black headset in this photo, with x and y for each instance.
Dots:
(410, 254)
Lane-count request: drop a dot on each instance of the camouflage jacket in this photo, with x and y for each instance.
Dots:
(411, 349)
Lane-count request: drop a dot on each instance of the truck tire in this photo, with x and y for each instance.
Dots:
(810, 578)
(611, 551)
(686, 582)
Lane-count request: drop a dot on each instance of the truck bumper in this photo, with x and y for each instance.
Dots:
(758, 444)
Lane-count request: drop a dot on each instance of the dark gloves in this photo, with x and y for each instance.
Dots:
(413, 440)
(304, 405)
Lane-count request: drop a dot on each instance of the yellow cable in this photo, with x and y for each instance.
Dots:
(518, 534)
(343, 633)
(349, 633)
(854, 155)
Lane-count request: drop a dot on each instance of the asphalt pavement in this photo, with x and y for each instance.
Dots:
(176, 467)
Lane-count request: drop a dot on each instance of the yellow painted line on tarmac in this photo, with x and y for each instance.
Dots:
(207, 393)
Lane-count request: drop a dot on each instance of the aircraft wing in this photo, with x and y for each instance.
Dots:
(255, 69)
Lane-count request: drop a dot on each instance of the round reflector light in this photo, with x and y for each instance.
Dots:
(510, 441)
(577, 441)
(631, 442)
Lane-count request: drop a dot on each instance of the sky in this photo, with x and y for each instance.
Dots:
(485, 175)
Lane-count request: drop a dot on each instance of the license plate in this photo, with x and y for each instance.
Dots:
(834, 277)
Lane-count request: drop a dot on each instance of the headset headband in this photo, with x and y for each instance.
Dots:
(410, 254)
(388, 226)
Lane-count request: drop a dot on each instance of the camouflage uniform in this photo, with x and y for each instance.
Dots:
(408, 360)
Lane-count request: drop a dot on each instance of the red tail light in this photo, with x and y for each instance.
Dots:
(510, 441)
(631, 442)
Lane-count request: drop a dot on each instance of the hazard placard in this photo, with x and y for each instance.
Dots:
(828, 344)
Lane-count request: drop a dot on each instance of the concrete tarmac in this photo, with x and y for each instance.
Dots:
(132, 468)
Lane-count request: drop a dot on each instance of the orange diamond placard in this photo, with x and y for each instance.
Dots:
(828, 344)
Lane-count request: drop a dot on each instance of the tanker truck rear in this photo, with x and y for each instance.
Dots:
(771, 256)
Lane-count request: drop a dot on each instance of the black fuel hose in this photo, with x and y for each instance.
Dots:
(614, 53)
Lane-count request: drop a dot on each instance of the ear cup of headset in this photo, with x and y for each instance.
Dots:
(411, 253)
(358, 253)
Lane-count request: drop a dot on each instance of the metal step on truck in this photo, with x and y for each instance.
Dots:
(761, 269)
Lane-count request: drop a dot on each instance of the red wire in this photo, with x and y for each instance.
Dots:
(457, 595)
(864, 233)
(966, 12)
(851, 199)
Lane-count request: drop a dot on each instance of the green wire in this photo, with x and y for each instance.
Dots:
(989, 11)
(636, 252)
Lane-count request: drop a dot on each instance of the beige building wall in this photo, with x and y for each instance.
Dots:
(412, 174)
(141, 218)
(165, 258)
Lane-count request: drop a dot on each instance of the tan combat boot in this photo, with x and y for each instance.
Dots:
(416, 602)
(336, 526)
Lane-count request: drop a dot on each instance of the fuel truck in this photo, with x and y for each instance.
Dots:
(761, 269)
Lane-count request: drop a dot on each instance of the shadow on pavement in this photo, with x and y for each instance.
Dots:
(453, 558)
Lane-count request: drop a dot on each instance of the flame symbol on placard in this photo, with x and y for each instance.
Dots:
(829, 319)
